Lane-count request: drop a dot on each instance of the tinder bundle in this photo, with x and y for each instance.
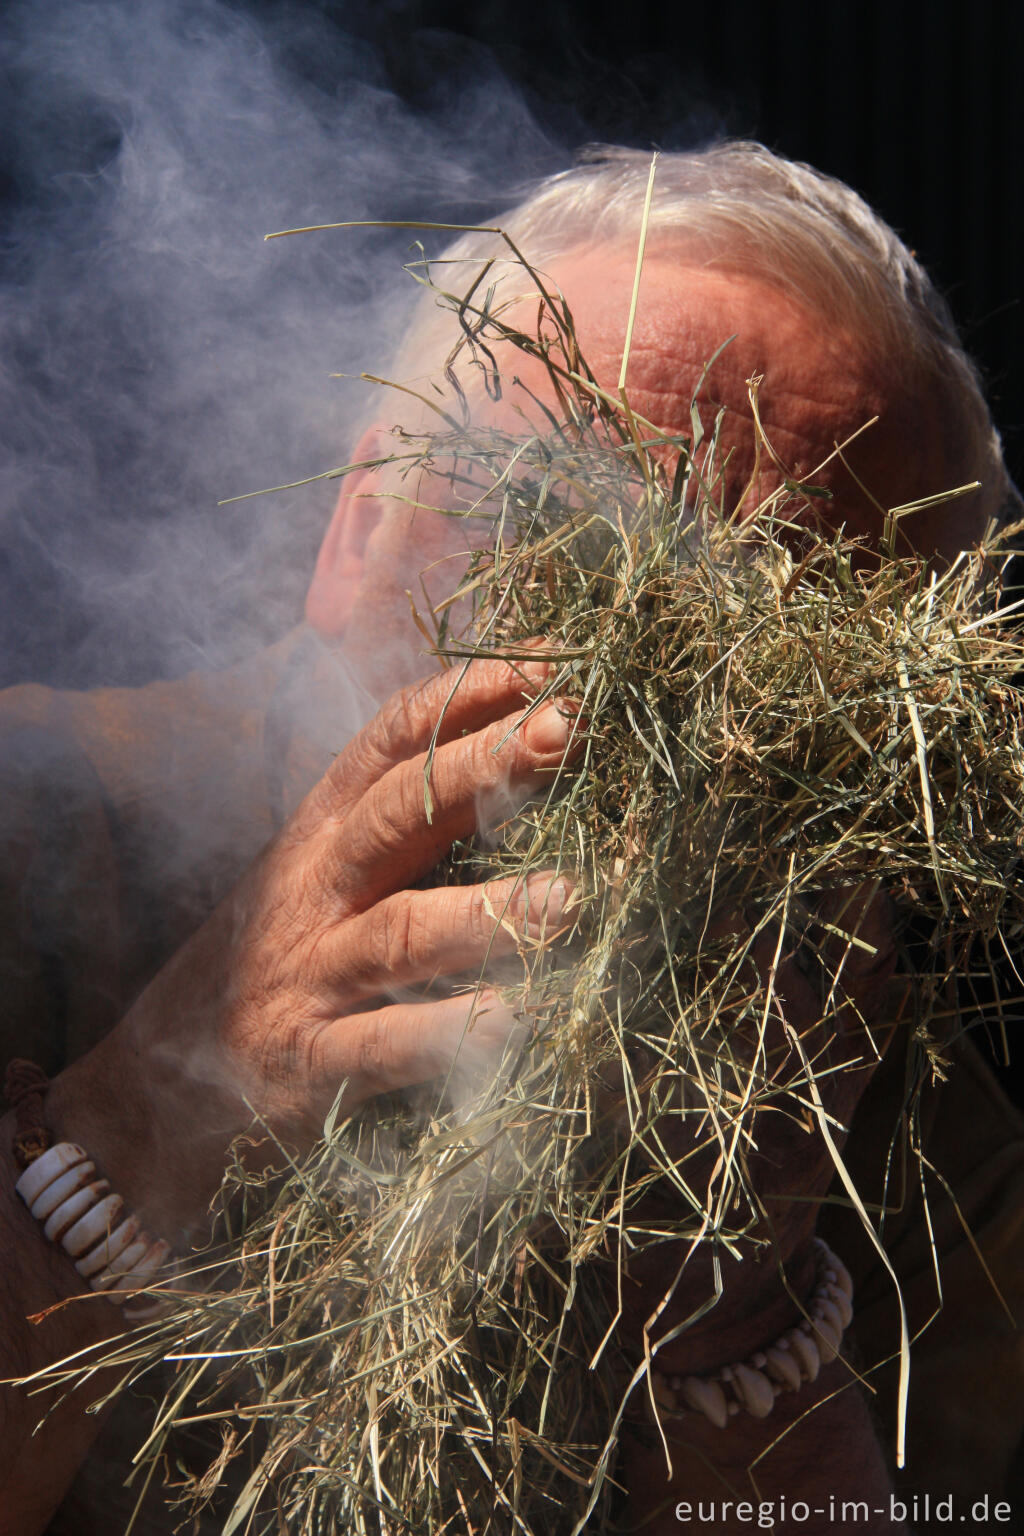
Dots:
(780, 729)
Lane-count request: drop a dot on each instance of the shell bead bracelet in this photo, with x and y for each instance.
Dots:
(60, 1186)
(783, 1366)
(109, 1248)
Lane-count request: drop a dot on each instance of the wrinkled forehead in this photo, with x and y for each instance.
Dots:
(702, 333)
(818, 386)
(818, 383)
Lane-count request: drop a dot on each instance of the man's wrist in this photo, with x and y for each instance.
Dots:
(141, 1123)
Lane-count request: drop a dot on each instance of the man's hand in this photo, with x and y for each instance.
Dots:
(279, 999)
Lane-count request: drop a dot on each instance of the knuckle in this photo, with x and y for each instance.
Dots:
(392, 931)
(318, 1065)
(500, 901)
(391, 810)
(381, 818)
(425, 926)
(394, 734)
(488, 678)
(370, 1055)
(477, 916)
(378, 1057)
(395, 724)
(498, 675)
(490, 757)
(402, 806)
(454, 777)
(512, 758)
(411, 713)
(312, 884)
(496, 746)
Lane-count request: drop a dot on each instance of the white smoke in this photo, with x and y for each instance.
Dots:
(155, 355)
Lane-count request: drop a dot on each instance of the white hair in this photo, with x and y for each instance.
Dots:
(737, 207)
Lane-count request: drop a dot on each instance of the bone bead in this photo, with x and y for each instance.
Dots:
(49, 1166)
(131, 1255)
(827, 1309)
(56, 1193)
(706, 1397)
(93, 1226)
(827, 1340)
(754, 1390)
(155, 1255)
(781, 1364)
(843, 1279)
(841, 1302)
(102, 1281)
(119, 1267)
(120, 1238)
(833, 1268)
(74, 1207)
(805, 1350)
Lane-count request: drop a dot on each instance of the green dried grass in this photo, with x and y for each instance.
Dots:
(421, 1322)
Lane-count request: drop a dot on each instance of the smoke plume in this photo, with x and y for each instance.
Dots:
(155, 355)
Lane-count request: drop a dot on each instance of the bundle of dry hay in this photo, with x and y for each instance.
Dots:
(420, 1323)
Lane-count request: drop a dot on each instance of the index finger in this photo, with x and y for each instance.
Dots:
(438, 710)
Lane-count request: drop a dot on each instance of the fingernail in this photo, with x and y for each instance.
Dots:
(547, 895)
(491, 1020)
(547, 731)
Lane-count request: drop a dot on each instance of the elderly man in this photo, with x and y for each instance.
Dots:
(167, 993)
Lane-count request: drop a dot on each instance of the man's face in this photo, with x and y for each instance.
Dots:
(818, 388)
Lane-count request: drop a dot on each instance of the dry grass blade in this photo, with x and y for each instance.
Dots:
(425, 1322)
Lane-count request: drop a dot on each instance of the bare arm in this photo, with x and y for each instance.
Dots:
(274, 1003)
(38, 1281)
(276, 1000)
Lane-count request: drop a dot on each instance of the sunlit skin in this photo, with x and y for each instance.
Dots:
(817, 391)
(282, 993)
